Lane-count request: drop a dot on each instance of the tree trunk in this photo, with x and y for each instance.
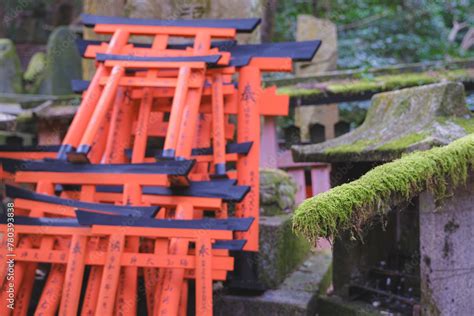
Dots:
(268, 21)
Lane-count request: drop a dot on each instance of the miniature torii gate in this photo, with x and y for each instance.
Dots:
(136, 85)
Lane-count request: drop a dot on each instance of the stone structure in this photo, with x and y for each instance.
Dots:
(416, 258)
(285, 276)
(10, 68)
(63, 63)
(198, 9)
(35, 72)
(277, 192)
(317, 123)
(429, 239)
(296, 295)
(447, 251)
(399, 122)
(310, 28)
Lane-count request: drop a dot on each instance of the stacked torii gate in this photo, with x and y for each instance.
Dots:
(111, 207)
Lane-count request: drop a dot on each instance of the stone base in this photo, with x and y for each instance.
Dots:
(281, 252)
(297, 295)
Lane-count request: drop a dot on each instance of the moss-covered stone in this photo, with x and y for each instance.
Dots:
(63, 62)
(296, 296)
(376, 84)
(277, 192)
(281, 251)
(399, 122)
(35, 72)
(10, 68)
(352, 205)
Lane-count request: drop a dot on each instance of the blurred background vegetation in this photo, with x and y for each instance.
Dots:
(370, 32)
(384, 32)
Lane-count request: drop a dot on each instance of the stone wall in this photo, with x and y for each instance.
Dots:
(447, 252)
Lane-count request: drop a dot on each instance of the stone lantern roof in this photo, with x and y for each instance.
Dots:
(399, 122)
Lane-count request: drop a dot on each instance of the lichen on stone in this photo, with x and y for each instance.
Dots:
(294, 91)
(353, 205)
(375, 84)
(277, 192)
(10, 68)
(398, 122)
(35, 72)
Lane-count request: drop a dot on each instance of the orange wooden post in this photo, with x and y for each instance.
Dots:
(218, 130)
(95, 276)
(176, 113)
(248, 121)
(173, 278)
(190, 114)
(203, 141)
(74, 274)
(50, 297)
(183, 302)
(203, 276)
(85, 110)
(187, 131)
(119, 137)
(110, 276)
(22, 301)
(103, 106)
(24, 294)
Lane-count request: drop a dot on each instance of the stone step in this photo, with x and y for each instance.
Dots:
(297, 295)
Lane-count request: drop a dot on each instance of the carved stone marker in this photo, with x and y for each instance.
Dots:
(311, 28)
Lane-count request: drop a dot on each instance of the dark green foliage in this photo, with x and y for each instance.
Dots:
(374, 33)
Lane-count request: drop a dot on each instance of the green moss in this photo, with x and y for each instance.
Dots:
(354, 86)
(377, 84)
(288, 260)
(403, 142)
(10, 68)
(297, 92)
(354, 204)
(34, 73)
(350, 148)
(281, 250)
(467, 124)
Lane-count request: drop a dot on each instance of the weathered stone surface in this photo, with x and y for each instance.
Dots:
(297, 295)
(281, 251)
(277, 192)
(311, 28)
(35, 72)
(447, 252)
(224, 9)
(399, 122)
(306, 116)
(63, 62)
(10, 68)
(198, 9)
(168, 9)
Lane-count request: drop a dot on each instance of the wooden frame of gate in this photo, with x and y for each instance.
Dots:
(205, 263)
(133, 84)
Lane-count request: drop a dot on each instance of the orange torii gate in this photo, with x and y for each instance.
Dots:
(184, 93)
(212, 264)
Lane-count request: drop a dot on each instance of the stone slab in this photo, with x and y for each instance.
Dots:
(297, 295)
